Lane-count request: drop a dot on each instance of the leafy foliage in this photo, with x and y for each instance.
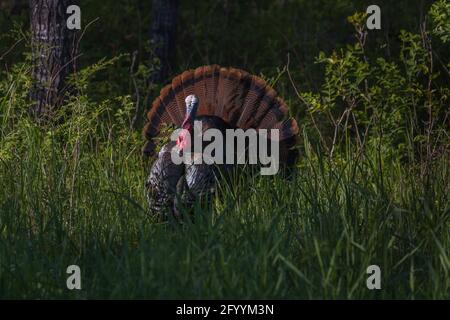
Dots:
(440, 15)
(372, 186)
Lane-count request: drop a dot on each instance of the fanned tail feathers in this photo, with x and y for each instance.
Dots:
(240, 99)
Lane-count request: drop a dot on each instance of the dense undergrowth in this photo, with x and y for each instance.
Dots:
(371, 187)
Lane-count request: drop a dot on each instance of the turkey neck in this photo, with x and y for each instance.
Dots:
(188, 123)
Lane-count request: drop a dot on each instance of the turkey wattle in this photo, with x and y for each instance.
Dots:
(220, 98)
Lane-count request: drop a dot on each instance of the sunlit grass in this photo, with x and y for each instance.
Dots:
(73, 193)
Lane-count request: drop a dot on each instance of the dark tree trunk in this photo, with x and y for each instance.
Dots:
(163, 31)
(54, 50)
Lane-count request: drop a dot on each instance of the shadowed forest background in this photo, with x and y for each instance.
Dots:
(371, 185)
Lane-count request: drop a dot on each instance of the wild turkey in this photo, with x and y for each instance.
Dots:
(220, 98)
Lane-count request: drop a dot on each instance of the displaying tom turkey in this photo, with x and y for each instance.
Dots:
(220, 98)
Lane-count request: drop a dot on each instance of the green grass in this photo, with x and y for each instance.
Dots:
(73, 194)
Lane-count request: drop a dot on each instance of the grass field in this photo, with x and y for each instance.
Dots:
(372, 185)
(73, 194)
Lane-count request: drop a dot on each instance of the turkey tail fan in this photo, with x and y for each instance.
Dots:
(240, 99)
(251, 103)
(288, 132)
(210, 79)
